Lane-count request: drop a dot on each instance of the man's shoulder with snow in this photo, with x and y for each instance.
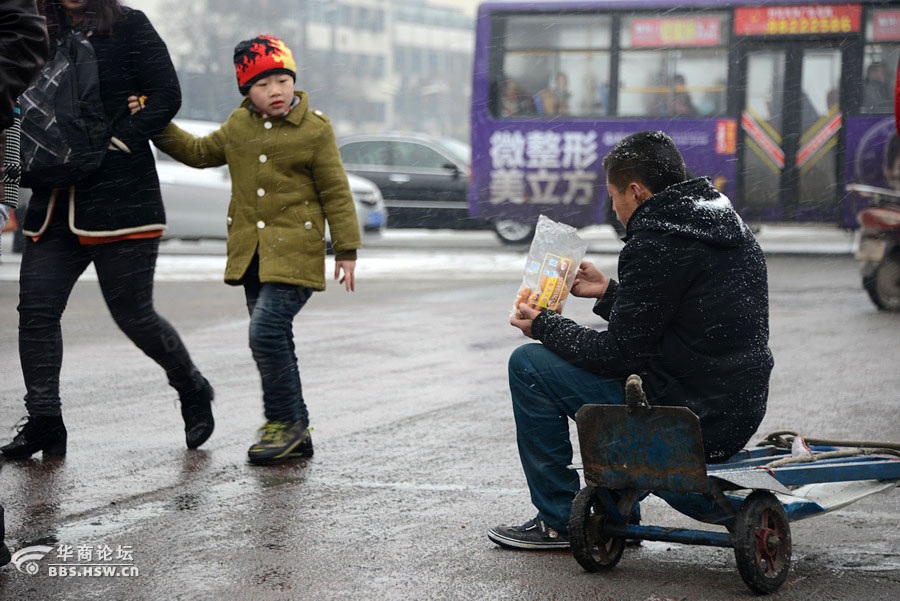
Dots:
(692, 209)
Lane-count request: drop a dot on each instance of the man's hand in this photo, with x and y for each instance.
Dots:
(348, 267)
(524, 323)
(590, 282)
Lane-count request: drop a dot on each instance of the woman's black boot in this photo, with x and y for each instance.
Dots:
(45, 433)
(196, 409)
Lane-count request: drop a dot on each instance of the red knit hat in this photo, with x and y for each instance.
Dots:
(260, 57)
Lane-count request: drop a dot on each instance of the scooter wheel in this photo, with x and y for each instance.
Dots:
(883, 283)
(762, 542)
(593, 550)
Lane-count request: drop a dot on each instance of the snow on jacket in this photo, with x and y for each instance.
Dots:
(689, 314)
(286, 179)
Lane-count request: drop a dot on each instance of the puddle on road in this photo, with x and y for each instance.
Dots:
(119, 519)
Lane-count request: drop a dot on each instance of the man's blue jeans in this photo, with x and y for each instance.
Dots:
(272, 308)
(546, 391)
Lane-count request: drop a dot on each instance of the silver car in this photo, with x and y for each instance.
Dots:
(196, 200)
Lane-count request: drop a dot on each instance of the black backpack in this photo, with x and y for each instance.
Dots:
(64, 129)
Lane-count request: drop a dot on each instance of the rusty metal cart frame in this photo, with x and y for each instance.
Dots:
(634, 450)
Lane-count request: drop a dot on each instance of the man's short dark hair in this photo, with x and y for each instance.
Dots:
(648, 157)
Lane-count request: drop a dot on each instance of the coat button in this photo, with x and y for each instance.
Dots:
(260, 224)
(229, 221)
(308, 225)
(267, 125)
(260, 192)
(263, 158)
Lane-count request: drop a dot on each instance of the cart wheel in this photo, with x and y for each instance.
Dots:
(594, 551)
(762, 542)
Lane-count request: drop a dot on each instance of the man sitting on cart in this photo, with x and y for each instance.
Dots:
(689, 314)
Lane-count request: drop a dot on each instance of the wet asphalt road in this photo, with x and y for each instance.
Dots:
(415, 449)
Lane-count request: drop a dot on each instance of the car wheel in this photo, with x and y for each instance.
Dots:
(882, 282)
(514, 232)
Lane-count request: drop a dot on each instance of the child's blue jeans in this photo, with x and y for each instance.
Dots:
(546, 391)
(272, 308)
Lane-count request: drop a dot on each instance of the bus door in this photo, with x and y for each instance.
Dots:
(790, 132)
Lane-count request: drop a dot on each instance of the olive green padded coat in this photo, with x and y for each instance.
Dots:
(286, 180)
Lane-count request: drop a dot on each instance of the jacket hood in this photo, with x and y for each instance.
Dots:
(693, 209)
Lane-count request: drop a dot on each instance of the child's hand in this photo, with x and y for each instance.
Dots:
(136, 103)
(348, 267)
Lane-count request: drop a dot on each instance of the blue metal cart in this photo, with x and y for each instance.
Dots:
(634, 450)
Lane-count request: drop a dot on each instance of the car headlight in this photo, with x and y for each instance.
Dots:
(366, 197)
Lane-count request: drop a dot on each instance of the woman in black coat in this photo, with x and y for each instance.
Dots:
(113, 218)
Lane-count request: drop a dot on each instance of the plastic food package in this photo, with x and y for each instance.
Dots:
(553, 260)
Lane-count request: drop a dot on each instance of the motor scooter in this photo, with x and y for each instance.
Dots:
(878, 245)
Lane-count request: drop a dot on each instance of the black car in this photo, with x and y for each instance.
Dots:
(424, 181)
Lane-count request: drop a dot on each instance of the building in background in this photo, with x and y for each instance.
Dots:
(369, 65)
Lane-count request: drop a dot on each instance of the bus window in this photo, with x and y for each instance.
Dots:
(560, 67)
(672, 83)
(365, 153)
(880, 62)
(818, 162)
(658, 80)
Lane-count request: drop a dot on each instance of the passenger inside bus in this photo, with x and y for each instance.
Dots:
(876, 93)
(832, 99)
(554, 100)
(671, 98)
(808, 113)
(681, 104)
(513, 101)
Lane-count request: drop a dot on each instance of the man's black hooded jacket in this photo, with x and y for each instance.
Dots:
(689, 314)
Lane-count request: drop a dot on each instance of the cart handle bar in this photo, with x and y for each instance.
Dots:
(635, 398)
(785, 438)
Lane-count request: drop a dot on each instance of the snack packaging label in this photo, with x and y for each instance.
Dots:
(553, 260)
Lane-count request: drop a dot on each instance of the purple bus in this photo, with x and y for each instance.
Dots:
(787, 106)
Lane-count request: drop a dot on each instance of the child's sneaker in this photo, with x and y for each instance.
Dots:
(533, 534)
(280, 441)
(305, 448)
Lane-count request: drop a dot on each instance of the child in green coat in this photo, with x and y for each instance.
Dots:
(286, 178)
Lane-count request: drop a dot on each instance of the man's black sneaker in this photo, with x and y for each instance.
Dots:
(280, 441)
(533, 534)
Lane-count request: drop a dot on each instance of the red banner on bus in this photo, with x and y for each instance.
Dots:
(702, 31)
(798, 20)
(886, 26)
